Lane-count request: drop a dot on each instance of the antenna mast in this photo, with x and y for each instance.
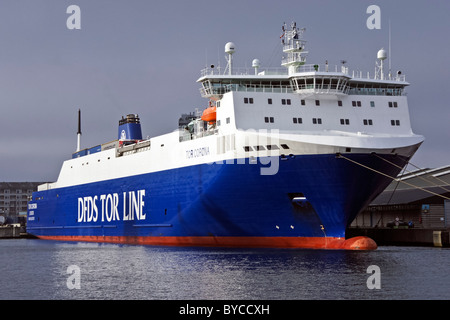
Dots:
(79, 131)
(294, 47)
(229, 49)
(389, 49)
(381, 55)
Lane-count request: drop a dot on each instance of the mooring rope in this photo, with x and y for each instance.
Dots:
(393, 178)
(415, 175)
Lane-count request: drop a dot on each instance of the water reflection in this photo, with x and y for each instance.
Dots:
(139, 272)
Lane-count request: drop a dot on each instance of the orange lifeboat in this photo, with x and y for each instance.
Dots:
(209, 114)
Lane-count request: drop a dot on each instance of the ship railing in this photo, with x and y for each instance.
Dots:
(219, 71)
(295, 58)
(334, 89)
(185, 135)
(376, 91)
(259, 88)
(308, 88)
(296, 44)
(355, 74)
(322, 89)
(217, 91)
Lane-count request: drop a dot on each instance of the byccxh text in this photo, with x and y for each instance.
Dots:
(227, 309)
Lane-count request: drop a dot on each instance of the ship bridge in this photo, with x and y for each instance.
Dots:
(307, 80)
(298, 77)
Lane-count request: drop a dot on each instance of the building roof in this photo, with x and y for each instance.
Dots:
(19, 185)
(422, 185)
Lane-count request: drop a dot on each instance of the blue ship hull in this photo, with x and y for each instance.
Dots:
(309, 202)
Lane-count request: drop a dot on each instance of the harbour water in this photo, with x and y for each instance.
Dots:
(40, 269)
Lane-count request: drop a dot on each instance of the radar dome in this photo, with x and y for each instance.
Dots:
(229, 48)
(382, 54)
(255, 63)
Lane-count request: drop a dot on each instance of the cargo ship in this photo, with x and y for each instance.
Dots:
(283, 157)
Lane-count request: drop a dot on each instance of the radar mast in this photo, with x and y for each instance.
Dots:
(294, 47)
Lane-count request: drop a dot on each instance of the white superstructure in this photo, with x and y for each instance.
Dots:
(299, 109)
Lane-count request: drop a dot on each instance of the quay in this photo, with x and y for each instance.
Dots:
(403, 237)
(414, 210)
(8, 232)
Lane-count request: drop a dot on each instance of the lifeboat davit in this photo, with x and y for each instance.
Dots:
(209, 114)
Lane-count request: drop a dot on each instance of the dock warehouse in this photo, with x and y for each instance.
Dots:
(416, 200)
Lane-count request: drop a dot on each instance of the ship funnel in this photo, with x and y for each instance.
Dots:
(130, 128)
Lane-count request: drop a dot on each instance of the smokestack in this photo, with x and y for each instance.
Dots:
(79, 131)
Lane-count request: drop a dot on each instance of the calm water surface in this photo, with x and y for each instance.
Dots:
(37, 269)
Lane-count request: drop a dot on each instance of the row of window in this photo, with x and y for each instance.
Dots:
(393, 104)
(269, 147)
(4, 204)
(13, 197)
(366, 122)
(6, 191)
(344, 122)
(283, 101)
(355, 103)
(294, 120)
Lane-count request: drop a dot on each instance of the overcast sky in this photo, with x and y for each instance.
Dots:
(144, 57)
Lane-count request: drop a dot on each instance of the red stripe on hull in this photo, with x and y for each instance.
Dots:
(356, 243)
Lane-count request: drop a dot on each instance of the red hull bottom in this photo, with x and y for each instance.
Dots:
(356, 243)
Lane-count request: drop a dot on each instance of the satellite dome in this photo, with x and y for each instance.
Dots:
(382, 54)
(229, 48)
(255, 63)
